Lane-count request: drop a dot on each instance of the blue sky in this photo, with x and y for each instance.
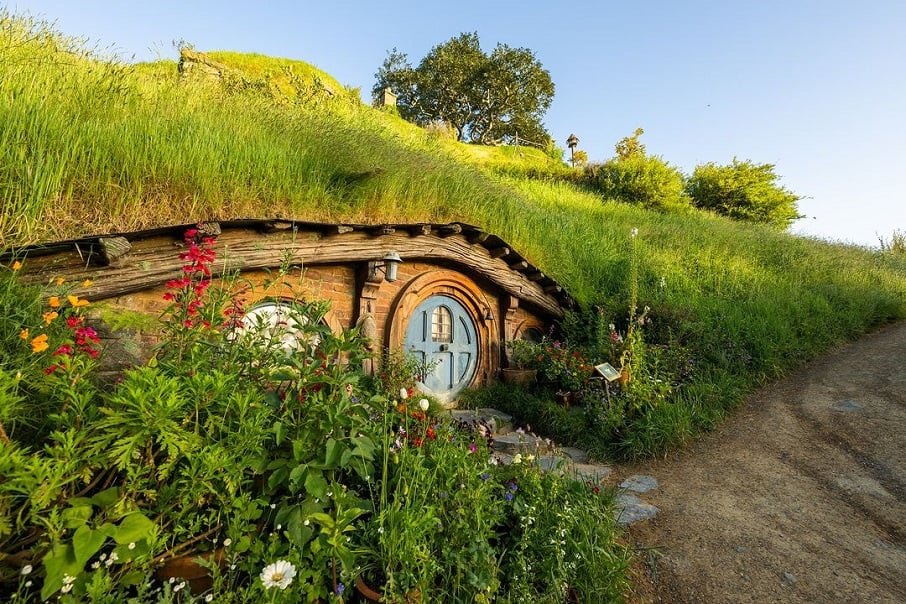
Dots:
(815, 87)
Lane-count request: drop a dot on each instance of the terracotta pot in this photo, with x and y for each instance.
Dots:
(522, 377)
(185, 567)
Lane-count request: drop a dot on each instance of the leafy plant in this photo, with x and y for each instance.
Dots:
(743, 190)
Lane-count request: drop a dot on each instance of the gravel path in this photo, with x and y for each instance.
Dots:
(799, 496)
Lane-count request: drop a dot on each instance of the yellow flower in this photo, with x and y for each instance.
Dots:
(60, 280)
(49, 317)
(24, 334)
(76, 301)
(86, 283)
(54, 302)
(39, 344)
(16, 265)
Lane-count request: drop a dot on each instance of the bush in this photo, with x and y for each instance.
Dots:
(743, 191)
(649, 182)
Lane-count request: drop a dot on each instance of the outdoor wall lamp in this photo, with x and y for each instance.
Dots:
(389, 265)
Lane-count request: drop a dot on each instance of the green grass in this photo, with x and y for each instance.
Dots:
(90, 147)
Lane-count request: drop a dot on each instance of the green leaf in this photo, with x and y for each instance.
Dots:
(139, 549)
(59, 561)
(134, 528)
(107, 497)
(108, 530)
(298, 474)
(86, 542)
(316, 485)
(333, 453)
(280, 431)
(76, 516)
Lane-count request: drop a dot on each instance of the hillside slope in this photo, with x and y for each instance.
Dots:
(89, 147)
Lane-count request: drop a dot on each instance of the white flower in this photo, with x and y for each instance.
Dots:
(306, 522)
(227, 542)
(176, 588)
(26, 570)
(28, 583)
(424, 404)
(114, 556)
(67, 588)
(95, 565)
(634, 232)
(518, 458)
(132, 545)
(530, 458)
(68, 579)
(279, 574)
(404, 393)
(209, 598)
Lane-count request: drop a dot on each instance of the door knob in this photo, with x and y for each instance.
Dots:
(444, 347)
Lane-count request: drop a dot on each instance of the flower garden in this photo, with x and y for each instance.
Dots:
(234, 468)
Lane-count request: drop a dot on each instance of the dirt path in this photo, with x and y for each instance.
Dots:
(800, 496)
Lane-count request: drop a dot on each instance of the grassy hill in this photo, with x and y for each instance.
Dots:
(88, 147)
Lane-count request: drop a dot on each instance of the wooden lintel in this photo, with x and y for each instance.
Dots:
(152, 261)
(478, 237)
(450, 229)
(499, 252)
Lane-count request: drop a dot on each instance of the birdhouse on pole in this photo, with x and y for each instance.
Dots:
(571, 142)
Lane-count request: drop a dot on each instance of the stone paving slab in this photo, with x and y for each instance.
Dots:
(639, 484)
(596, 473)
(630, 509)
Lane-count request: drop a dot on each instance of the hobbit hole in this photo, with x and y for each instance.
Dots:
(450, 294)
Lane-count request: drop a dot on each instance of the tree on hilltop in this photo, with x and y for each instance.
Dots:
(487, 99)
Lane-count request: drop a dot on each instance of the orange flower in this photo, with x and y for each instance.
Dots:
(16, 265)
(39, 344)
(76, 301)
(86, 283)
(61, 280)
(54, 302)
(49, 317)
(24, 334)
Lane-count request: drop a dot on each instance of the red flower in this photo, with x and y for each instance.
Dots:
(73, 322)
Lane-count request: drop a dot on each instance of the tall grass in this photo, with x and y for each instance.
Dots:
(88, 146)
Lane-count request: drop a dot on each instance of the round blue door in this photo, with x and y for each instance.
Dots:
(442, 335)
